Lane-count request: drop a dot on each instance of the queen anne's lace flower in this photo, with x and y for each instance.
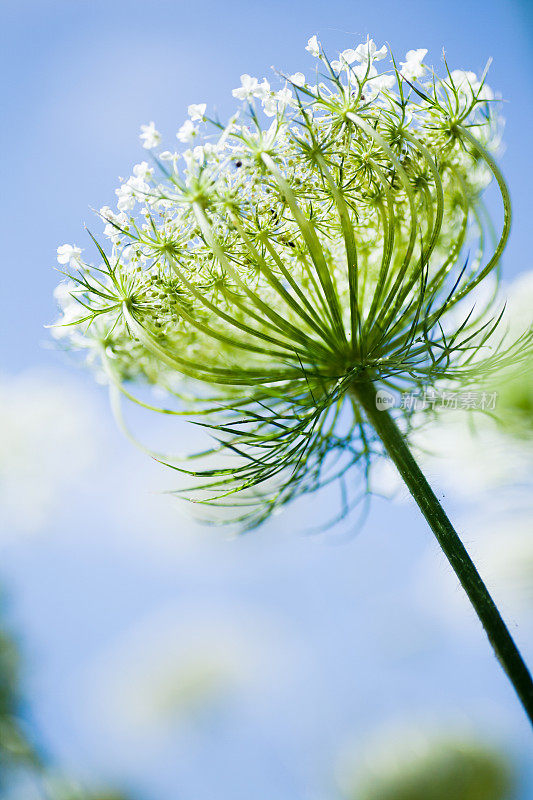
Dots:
(142, 171)
(288, 258)
(276, 102)
(115, 223)
(126, 197)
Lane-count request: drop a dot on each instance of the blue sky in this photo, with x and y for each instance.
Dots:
(79, 79)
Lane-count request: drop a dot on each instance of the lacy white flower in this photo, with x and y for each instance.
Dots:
(365, 53)
(149, 136)
(276, 102)
(126, 197)
(469, 85)
(168, 155)
(143, 171)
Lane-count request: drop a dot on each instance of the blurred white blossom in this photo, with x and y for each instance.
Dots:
(501, 544)
(412, 67)
(313, 46)
(188, 132)
(196, 111)
(368, 52)
(179, 667)
(48, 433)
(68, 254)
(149, 136)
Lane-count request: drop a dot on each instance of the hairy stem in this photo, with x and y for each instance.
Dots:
(501, 640)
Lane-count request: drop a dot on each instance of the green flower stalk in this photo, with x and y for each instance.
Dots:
(320, 247)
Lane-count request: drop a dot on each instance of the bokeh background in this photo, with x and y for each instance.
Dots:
(164, 660)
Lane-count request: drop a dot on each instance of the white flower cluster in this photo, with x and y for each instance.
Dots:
(354, 67)
(292, 240)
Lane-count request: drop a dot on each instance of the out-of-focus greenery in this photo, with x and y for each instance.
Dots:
(64, 789)
(515, 385)
(20, 756)
(427, 768)
(15, 749)
(515, 401)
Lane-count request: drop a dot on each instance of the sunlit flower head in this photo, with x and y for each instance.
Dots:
(324, 236)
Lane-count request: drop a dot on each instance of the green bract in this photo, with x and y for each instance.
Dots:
(282, 261)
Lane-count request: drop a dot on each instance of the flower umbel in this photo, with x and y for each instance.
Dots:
(285, 261)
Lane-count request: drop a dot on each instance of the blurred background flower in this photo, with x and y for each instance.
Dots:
(184, 670)
(49, 438)
(410, 763)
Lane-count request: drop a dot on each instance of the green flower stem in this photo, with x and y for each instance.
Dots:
(454, 550)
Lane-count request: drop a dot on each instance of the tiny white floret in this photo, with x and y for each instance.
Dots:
(149, 136)
(313, 46)
(142, 171)
(196, 111)
(188, 132)
(298, 79)
(68, 254)
(247, 89)
(367, 51)
(412, 67)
